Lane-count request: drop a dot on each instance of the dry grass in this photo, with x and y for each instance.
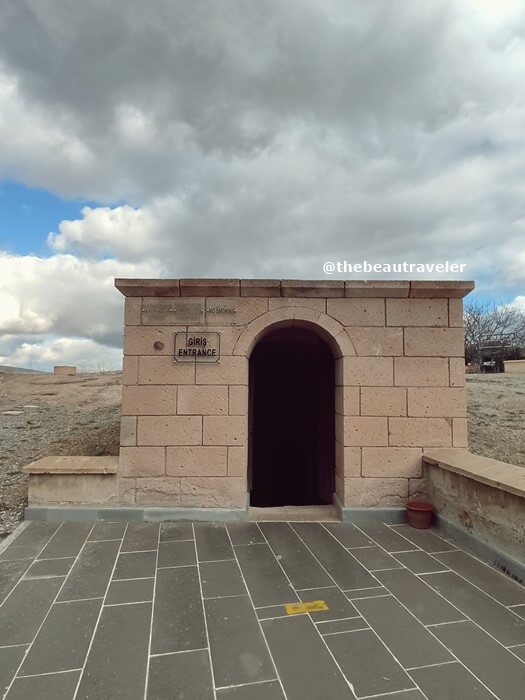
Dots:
(496, 416)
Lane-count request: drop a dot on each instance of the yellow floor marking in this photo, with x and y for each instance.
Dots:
(313, 606)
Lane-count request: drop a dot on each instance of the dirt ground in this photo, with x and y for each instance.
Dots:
(496, 416)
(81, 415)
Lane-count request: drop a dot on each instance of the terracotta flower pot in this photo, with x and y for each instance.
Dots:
(420, 514)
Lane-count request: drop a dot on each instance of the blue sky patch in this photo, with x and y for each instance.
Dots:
(28, 215)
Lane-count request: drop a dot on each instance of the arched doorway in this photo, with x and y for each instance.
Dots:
(292, 419)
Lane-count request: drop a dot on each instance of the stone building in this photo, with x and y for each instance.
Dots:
(266, 393)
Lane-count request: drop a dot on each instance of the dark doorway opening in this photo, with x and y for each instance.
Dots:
(292, 421)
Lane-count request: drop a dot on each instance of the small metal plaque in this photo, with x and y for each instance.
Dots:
(172, 312)
(197, 347)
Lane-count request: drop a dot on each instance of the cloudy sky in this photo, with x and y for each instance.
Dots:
(237, 138)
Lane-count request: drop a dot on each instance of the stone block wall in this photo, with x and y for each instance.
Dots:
(400, 383)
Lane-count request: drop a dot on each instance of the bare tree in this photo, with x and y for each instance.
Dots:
(492, 322)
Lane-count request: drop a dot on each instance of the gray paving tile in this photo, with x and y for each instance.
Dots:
(299, 564)
(367, 664)
(375, 558)
(67, 540)
(178, 620)
(27, 545)
(339, 563)
(90, 575)
(338, 604)
(271, 611)
(134, 591)
(141, 537)
(10, 573)
(270, 690)
(107, 531)
(63, 640)
(496, 667)
(116, 664)
(407, 639)
(348, 535)
(220, 578)
(428, 540)
(34, 536)
(49, 567)
(238, 651)
(23, 612)
(135, 565)
(264, 577)
(426, 604)
(340, 626)
(10, 658)
(306, 668)
(420, 562)
(367, 593)
(56, 686)
(493, 582)
(245, 533)
(450, 682)
(507, 627)
(404, 695)
(176, 554)
(386, 537)
(519, 610)
(519, 651)
(213, 543)
(170, 532)
(185, 675)
(13, 553)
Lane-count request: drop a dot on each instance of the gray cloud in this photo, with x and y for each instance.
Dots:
(257, 138)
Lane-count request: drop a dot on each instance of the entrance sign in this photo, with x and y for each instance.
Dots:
(197, 347)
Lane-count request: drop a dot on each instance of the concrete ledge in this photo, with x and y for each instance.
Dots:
(64, 489)
(125, 514)
(325, 288)
(482, 498)
(54, 513)
(432, 289)
(377, 288)
(210, 287)
(73, 465)
(391, 514)
(148, 287)
(500, 475)
(514, 366)
(72, 480)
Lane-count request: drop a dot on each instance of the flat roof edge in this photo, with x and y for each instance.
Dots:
(453, 289)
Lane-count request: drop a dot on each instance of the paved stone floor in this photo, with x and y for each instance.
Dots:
(198, 611)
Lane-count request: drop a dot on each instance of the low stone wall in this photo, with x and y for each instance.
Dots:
(74, 480)
(482, 497)
(514, 366)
